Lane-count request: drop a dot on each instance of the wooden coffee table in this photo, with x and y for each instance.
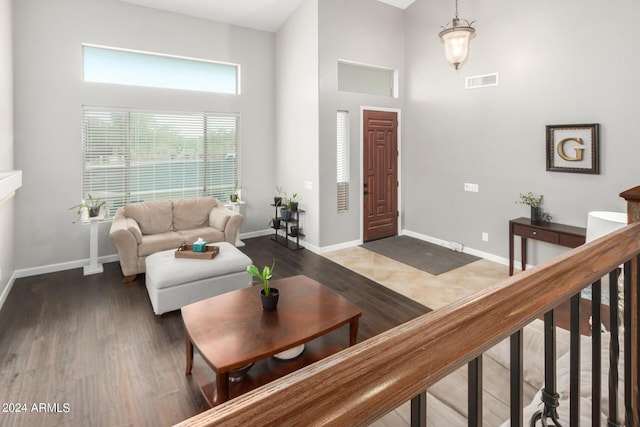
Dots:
(231, 331)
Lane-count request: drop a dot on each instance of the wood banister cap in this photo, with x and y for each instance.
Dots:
(631, 194)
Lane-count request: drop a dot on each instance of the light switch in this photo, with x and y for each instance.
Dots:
(471, 187)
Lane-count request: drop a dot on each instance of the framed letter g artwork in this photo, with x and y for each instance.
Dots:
(573, 148)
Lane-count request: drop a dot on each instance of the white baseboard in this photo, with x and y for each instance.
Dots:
(52, 268)
(466, 250)
(7, 289)
(269, 232)
(339, 246)
(258, 233)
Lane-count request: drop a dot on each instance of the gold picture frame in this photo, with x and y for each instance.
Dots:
(573, 148)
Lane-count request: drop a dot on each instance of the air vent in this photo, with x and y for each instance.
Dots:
(485, 80)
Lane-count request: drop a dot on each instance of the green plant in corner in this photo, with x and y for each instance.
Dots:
(277, 200)
(530, 199)
(264, 276)
(293, 202)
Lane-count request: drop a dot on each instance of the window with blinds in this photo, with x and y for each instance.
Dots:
(342, 156)
(133, 156)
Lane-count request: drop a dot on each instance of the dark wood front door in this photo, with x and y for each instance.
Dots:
(380, 174)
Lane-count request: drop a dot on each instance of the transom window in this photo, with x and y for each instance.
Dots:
(367, 79)
(133, 156)
(128, 67)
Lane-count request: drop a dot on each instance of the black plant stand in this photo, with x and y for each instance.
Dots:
(283, 233)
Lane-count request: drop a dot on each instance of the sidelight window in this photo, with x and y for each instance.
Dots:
(342, 156)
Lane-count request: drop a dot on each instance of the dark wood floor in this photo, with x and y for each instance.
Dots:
(88, 351)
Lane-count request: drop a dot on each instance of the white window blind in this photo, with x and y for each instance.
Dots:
(342, 157)
(132, 156)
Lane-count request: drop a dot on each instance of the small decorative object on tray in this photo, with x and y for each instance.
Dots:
(186, 251)
(199, 245)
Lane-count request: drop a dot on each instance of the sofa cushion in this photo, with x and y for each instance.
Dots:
(193, 213)
(152, 243)
(563, 378)
(533, 351)
(152, 217)
(209, 234)
(563, 372)
(219, 218)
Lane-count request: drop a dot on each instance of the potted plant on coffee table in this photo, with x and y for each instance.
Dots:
(268, 295)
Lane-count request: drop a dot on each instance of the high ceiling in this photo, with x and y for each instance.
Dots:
(266, 15)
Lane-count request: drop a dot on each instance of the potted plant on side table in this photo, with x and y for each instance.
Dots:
(268, 295)
(90, 205)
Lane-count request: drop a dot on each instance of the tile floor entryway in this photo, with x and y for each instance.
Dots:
(430, 290)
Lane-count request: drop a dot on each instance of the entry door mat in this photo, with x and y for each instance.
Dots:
(425, 256)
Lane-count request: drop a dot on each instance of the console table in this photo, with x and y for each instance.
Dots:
(550, 232)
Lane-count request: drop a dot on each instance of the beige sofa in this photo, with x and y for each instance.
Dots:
(141, 229)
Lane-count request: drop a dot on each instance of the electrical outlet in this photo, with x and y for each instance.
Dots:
(471, 187)
(485, 237)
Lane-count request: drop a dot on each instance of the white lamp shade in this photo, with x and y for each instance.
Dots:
(456, 45)
(600, 223)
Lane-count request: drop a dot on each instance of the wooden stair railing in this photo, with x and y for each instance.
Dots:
(362, 383)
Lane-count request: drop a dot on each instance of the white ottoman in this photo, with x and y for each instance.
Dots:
(175, 282)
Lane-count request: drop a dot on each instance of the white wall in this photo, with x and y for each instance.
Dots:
(297, 114)
(6, 143)
(367, 32)
(559, 63)
(49, 94)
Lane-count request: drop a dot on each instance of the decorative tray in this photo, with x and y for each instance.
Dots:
(186, 251)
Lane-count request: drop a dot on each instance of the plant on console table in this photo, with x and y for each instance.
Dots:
(534, 203)
(268, 295)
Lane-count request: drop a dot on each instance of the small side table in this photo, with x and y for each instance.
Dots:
(235, 206)
(94, 266)
(550, 232)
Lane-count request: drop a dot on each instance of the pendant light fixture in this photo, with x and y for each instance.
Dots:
(456, 39)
